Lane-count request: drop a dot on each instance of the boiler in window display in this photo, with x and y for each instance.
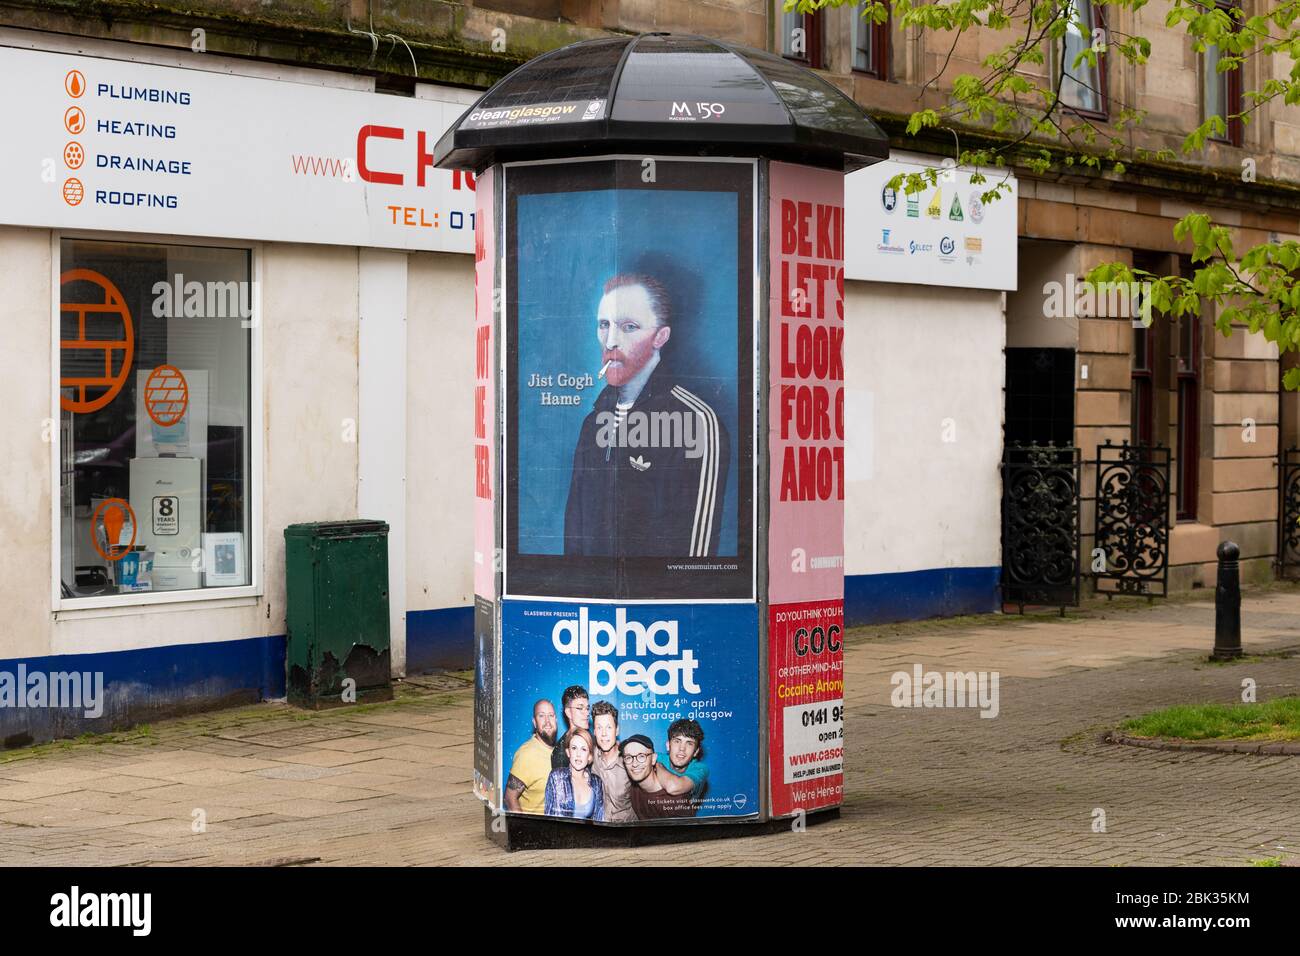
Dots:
(165, 495)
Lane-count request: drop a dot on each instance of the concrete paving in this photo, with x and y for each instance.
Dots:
(389, 783)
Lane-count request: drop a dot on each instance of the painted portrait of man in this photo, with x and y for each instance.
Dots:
(629, 447)
(650, 467)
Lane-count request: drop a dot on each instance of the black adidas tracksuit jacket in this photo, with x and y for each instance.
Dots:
(643, 501)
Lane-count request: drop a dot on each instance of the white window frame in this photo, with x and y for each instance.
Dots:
(256, 438)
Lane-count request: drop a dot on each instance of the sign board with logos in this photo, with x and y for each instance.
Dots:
(107, 144)
(949, 234)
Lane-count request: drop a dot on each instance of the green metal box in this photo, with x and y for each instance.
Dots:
(337, 614)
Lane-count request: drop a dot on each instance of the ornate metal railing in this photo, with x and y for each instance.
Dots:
(1131, 530)
(1040, 525)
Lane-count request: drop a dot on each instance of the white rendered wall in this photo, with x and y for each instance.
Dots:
(381, 432)
(440, 432)
(25, 566)
(922, 365)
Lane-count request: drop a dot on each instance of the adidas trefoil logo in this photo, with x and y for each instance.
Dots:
(639, 463)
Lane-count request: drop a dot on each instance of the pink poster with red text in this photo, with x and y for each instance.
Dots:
(806, 390)
(485, 367)
(806, 493)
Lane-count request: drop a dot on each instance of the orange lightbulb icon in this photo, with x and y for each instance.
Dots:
(113, 521)
(115, 513)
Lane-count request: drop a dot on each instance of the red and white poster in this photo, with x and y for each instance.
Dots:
(485, 367)
(806, 523)
(806, 705)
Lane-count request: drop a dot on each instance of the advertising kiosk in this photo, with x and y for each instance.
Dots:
(659, 438)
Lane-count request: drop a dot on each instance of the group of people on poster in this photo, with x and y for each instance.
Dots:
(590, 773)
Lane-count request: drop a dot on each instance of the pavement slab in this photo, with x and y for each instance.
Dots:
(387, 784)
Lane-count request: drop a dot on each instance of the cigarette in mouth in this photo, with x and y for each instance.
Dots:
(603, 369)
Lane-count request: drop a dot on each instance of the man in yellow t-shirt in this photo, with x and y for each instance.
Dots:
(526, 785)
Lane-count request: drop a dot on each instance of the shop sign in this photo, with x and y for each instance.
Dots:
(106, 144)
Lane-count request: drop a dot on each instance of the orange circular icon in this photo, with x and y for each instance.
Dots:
(74, 120)
(73, 191)
(166, 395)
(97, 325)
(74, 83)
(74, 155)
(113, 521)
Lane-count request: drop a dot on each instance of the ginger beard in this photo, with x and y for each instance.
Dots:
(628, 331)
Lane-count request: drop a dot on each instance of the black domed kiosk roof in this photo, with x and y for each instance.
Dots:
(668, 93)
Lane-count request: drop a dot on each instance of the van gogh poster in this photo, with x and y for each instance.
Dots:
(630, 713)
(629, 396)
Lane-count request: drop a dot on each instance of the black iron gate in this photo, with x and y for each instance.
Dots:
(1041, 559)
(1131, 530)
(1040, 525)
(1288, 526)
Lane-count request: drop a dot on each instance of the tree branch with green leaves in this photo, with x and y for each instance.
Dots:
(1031, 93)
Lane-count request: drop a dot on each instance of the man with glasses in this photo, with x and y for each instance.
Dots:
(577, 714)
(650, 801)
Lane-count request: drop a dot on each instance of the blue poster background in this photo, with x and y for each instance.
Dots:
(569, 245)
(722, 638)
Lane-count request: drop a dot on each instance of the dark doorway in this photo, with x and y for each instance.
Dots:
(1040, 396)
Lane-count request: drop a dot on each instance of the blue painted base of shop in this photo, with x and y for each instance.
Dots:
(914, 595)
(440, 639)
(118, 689)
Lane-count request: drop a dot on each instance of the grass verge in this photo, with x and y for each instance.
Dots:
(1277, 719)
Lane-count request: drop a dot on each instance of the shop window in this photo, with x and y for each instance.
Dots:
(155, 413)
(800, 37)
(1142, 409)
(1221, 92)
(1083, 85)
(870, 45)
(1187, 346)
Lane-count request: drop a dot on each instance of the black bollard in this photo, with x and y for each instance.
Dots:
(1227, 605)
